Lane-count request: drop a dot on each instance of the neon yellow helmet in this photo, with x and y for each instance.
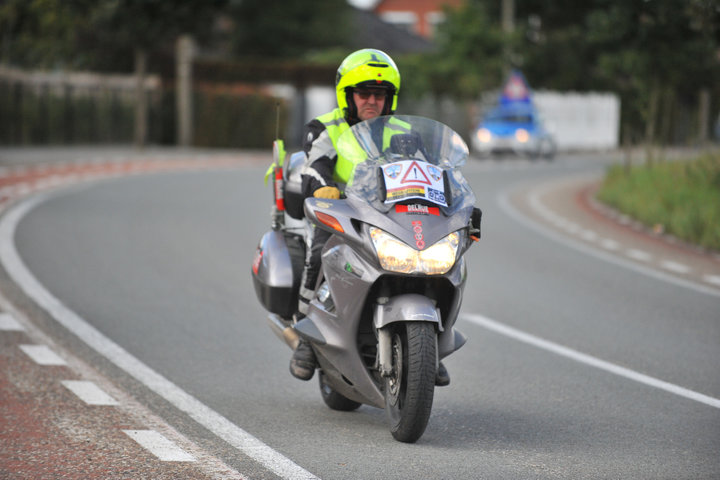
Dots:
(366, 68)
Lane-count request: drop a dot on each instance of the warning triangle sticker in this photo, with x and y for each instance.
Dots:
(415, 174)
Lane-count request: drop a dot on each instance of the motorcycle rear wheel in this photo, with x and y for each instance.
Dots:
(333, 399)
(410, 389)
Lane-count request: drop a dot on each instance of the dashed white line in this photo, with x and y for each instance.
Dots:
(612, 248)
(609, 244)
(588, 235)
(639, 255)
(198, 411)
(159, 446)
(9, 324)
(675, 267)
(573, 228)
(42, 355)
(89, 393)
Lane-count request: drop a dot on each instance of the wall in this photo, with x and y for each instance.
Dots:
(581, 121)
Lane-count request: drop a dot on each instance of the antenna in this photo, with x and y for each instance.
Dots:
(277, 120)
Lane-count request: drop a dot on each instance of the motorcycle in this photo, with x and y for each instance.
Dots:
(393, 272)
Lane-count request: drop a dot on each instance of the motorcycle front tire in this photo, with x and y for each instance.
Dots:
(410, 389)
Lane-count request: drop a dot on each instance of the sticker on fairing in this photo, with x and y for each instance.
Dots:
(417, 210)
(413, 179)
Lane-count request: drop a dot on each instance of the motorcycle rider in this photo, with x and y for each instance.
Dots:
(366, 86)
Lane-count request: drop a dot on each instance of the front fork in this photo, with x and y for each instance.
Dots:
(385, 352)
(409, 307)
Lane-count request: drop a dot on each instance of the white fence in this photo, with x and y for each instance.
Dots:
(581, 121)
(578, 121)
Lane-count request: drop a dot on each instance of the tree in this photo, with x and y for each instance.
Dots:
(42, 33)
(112, 35)
(146, 25)
(470, 55)
(288, 28)
(656, 54)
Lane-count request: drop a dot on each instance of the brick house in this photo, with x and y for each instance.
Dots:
(416, 16)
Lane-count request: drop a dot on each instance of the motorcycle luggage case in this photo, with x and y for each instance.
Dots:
(276, 271)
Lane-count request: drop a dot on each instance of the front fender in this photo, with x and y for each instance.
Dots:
(409, 307)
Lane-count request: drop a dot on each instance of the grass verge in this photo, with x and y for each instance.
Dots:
(681, 197)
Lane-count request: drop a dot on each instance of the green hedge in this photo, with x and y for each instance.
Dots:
(681, 198)
(32, 116)
(236, 121)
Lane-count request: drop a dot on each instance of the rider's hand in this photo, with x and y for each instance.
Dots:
(327, 192)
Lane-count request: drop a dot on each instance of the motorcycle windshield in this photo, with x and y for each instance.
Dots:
(406, 159)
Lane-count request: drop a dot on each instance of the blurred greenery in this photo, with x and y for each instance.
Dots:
(222, 119)
(657, 55)
(468, 59)
(233, 121)
(681, 198)
(287, 29)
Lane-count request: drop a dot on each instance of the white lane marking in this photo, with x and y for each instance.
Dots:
(714, 279)
(580, 357)
(675, 266)
(639, 255)
(89, 393)
(9, 324)
(609, 244)
(159, 446)
(42, 355)
(573, 228)
(588, 235)
(505, 205)
(201, 413)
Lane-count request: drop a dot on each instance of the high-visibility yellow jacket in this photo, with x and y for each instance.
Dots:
(323, 166)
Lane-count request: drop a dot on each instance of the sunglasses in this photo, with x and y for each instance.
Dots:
(365, 94)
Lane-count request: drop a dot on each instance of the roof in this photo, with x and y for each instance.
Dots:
(372, 32)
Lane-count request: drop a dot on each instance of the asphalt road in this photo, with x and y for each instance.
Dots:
(160, 265)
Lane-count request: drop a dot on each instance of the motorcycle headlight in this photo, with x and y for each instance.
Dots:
(397, 256)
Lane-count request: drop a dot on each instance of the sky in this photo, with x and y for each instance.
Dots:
(362, 3)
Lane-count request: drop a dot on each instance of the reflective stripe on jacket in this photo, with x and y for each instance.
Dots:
(323, 150)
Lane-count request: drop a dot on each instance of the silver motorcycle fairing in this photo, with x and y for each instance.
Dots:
(350, 268)
(398, 225)
(408, 307)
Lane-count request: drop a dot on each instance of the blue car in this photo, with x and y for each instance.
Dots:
(513, 128)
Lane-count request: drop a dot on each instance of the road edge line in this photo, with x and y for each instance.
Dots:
(204, 415)
(503, 200)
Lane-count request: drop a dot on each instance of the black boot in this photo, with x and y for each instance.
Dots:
(303, 363)
(442, 378)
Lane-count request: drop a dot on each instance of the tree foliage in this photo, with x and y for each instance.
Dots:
(288, 28)
(41, 33)
(99, 34)
(653, 53)
(469, 56)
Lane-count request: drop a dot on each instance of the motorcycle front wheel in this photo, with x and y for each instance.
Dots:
(410, 389)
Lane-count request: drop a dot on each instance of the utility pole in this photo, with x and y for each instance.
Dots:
(183, 90)
(508, 16)
(508, 27)
(141, 105)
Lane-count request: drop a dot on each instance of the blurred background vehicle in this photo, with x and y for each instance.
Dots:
(515, 129)
(513, 125)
